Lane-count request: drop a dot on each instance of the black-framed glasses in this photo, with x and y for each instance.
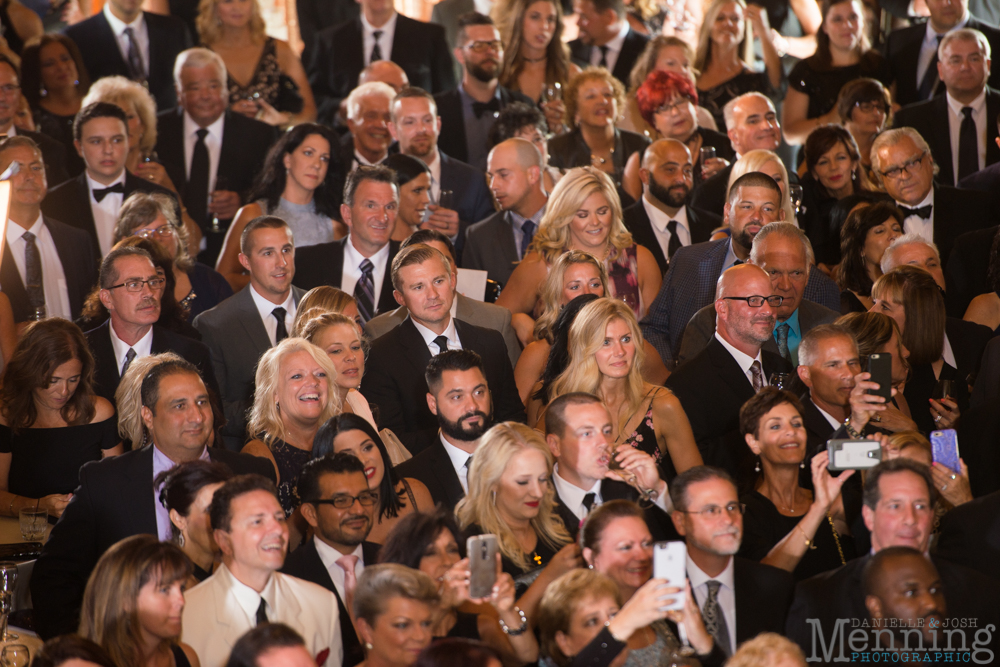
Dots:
(909, 166)
(484, 46)
(714, 511)
(155, 284)
(342, 501)
(164, 232)
(868, 107)
(756, 301)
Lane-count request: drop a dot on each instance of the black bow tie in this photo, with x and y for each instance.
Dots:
(101, 193)
(921, 211)
(479, 108)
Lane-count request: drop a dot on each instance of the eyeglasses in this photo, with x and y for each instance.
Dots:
(483, 47)
(342, 501)
(9, 89)
(908, 167)
(155, 284)
(714, 511)
(164, 232)
(756, 301)
(868, 107)
(671, 107)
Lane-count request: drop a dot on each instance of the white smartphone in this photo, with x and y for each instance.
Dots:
(670, 563)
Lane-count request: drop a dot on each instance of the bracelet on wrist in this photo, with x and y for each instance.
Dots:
(850, 429)
(10, 508)
(613, 635)
(515, 632)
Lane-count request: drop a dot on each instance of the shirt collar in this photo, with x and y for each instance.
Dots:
(16, 231)
(930, 36)
(978, 105)
(616, 42)
(248, 598)
(948, 354)
(835, 423)
(435, 166)
(94, 185)
(571, 494)
(450, 333)
(330, 556)
(793, 323)
(142, 347)
(659, 219)
(698, 577)
(163, 462)
(458, 456)
(215, 129)
(519, 220)
(265, 307)
(731, 258)
(926, 201)
(354, 257)
(743, 359)
(117, 25)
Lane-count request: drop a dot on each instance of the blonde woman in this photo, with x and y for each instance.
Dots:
(584, 213)
(295, 395)
(768, 163)
(341, 338)
(606, 353)
(321, 300)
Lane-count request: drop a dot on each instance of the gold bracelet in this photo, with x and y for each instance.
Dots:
(10, 508)
(809, 543)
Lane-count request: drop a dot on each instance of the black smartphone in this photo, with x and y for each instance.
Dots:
(880, 368)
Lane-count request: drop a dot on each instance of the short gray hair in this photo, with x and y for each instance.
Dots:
(965, 35)
(729, 111)
(892, 137)
(888, 256)
(787, 230)
(199, 56)
(365, 90)
(810, 346)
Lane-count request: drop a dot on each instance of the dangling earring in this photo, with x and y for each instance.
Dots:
(180, 540)
(494, 497)
(757, 467)
(802, 465)
(44, 92)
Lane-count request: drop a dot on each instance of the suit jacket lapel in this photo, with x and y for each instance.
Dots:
(170, 147)
(105, 35)
(68, 257)
(445, 472)
(730, 371)
(230, 152)
(992, 111)
(106, 372)
(503, 239)
(139, 488)
(13, 287)
(250, 321)
(700, 231)
(386, 301)
(82, 202)
(414, 349)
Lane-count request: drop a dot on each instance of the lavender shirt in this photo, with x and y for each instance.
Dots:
(162, 462)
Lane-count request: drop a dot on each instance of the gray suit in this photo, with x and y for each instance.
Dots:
(701, 328)
(236, 336)
(489, 246)
(485, 315)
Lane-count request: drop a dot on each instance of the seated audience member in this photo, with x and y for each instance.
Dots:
(294, 395)
(53, 152)
(864, 106)
(270, 645)
(360, 263)
(616, 543)
(138, 584)
(298, 183)
(339, 507)
(186, 491)
(116, 497)
(839, 594)
(197, 287)
(768, 648)
(394, 611)
(459, 396)
(605, 359)
(838, 216)
(130, 290)
(398, 496)
(911, 248)
(140, 109)
(322, 300)
(953, 485)
(71, 651)
(473, 311)
(893, 580)
(516, 175)
(802, 531)
(315, 15)
(50, 264)
(368, 141)
(985, 307)
(413, 178)
(866, 233)
(384, 71)
(342, 340)
(716, 382)
(247, 589)
(785, 253)
(767, 162)
(425, 284)
(968, 535)
(265, 310)
(51, 421)
(521, 121)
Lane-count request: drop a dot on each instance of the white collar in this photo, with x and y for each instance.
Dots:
(660, 219)
(978, 105)
(833, 422)
(246, 597)
(215, 129)
(742, 358)
(616, 42)
(930, 36)
(697, 577)
(16, 231)
(571, 495)
(458, 456)
(928, 200)
(94, 185)
(330, 556)
(117, 25)
(355, 257)
(947, 354)
(143, 347)
(450, 332)
(265, 307)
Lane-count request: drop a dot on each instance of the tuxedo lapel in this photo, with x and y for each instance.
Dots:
(442, 468)
(729, 371)
(106, 36)
(106, 373)
(992, 112)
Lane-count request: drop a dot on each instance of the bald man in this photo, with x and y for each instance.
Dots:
(498, 243)
(385, 71)
(904, 592)
(660, 220)
(721, 378)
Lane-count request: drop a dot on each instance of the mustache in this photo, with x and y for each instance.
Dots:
(474, 413)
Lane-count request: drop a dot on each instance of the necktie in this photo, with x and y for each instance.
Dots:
(493, 106)
(968, 146)
(738, 262)
(33, 275)
(136, 70)
(758, 376)
(376, 50)
(364, 291)
(468, 463)
(196, 192)
(588, 501)
(129, 356)
(347, 564)
(603, 62)
(262, 612)
(101, 193)
(715, 620)
(281, 332)
(782, 334)
(921, 211)
(930, 80)
(442, 343)
(528, 229)
(674, 244)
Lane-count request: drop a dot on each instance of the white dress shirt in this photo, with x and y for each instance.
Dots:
(730, 260)
(330, 556)
(726, 595)
(930, 46)
(143, 347)
(249, 600)
(265, 308)
(835, 423)
(659, 220)
(138, 30)
(350, 274)
(105, 212)
(458, 457)
(435, 167)
(914, 224)
(571, 495)
(614, 48)
(450, 333)
(384, 40)
(744, 360)
(53, 276)
(947, 354)
(955, 118)
(213, 142)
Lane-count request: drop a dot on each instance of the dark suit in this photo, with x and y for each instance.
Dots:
(636, 219)
(168, 36)
(970, 535)
(658, 521)
(315, 15)
(323, 264)
(930, 119)
(818, 429)
(433, 467)
(489, 246)
(763, 596)
(394, 380)
(79, 266)
(54, 155)
(967, 267)
(449, 105)
(338, 58)
(306, 564)
(712, 388)
(632, 48)
(472, 200)
(114, 501)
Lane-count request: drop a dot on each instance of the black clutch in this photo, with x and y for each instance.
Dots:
(20, 551)
(289, 98)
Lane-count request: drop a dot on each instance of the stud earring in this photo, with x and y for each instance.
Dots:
(43, 92)
(802, 465)
(756, 468)
(368, 645)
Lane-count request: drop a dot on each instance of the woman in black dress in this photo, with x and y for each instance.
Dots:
(51, 421)
(54, 81)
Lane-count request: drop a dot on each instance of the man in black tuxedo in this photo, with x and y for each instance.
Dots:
(91, 201)
(714, 384)
(123, 40)
(361, 262)
(116, 498)
(967, 111)
(499, 242)
(606, 40)
(53, 152)
(340, 52)
(394, 377)
(913, 52)
(459, 396)
(131, 332)
(368, 140)
(660, 220)
(48, 267)
(970, 535)
(469, 111)
(753, 597)
(211, 154)
(339, 507)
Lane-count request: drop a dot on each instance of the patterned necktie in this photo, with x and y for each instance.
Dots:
(442, 343)
(262, 611)
(528, 229)
(376, 50)
(674, 244)
(603, 62)
(758, 376)
(968, 145)
(129, 356)
(364, 291)
(347, 564)
(196, 192)
(281, 332)
(930, 80)
(136, 70)
(782, 333)
(715, 620)
(33, 275)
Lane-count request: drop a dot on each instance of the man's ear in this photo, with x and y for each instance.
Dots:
(309, 514)
(398, 296)
(644, 175)
(224, 540)
(677, 517)
(804, 375)
(432, 403)
(147, 417)
(874, 606)
(552, 440)
(869, 518)
(244, 261)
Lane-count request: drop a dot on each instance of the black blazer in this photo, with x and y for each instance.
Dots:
(970, 535)
(632, 48)
(473, 201)
(168, 36)
(78, 262)
(658, 521)
(433, 467)
(53, 155)
(967, 267)
(489, 246)
(957, 212)
(323, 264)
(114, 501)
(305, 563)
(315, 15)
(701, 223)
(394, 380)
(337, 59)
(449, 105)
(930, 119)
(763, 596)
